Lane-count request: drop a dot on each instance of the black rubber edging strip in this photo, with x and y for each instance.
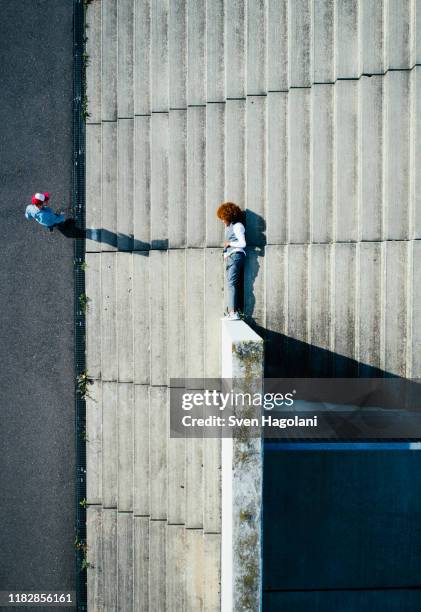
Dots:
(78, 205)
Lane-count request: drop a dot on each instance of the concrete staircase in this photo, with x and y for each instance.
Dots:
(266, 103)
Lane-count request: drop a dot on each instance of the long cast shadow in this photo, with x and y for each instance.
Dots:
(121, 242)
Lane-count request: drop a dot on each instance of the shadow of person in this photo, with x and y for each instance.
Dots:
(256, 241)
(69, 229)
(121, 242)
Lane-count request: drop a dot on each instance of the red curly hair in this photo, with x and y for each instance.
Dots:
(230, 212)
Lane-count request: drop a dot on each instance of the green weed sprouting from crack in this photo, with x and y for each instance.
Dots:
(83, 381)
(81, 263)
(84, 302)
(83, 547)
(83, 502)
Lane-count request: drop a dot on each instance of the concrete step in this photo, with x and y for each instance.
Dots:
(299, 43)
(299, 165)
(177, 45)
(196, 52)
(142, 191)
(257, 51)
(158, 274)
(159, 181)
(109, 558)
(175, 565)
(322, 163)
(125, 561)
(196, 176)
(94, 443)
(370, 303)
(400, 24)
(235, 147)
(176, 348)
(235, 37)
(141, 317)
(177, 178)
(157, 566)
(215, 172)
(276, 269)
(125, 154)
(194, 483)
(93, 187)
(141, 467)
(195, 570)
(344, 305)
(95, 570)
(125, 424)
(256, 130)
(125, 29)
(93, 314)
(110, 416)
(177, 509)
(320, 261)
(212, 485)
(158, 458)
(109, 365)
(324, 41)
(346, 188)
(142, 58)
(159, 57)
(396, 302)
(277, 167)
(347, 55)
(215, 67)
(109, 61)
(397, 149)
(141, 564)
(213, 309)
(124, 316)
(108, 227)
(194, 308)
(212, 572)
(297, 292)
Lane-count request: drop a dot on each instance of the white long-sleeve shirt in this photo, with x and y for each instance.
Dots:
(239, 244)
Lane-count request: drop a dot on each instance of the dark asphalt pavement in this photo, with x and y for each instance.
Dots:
(37, 457)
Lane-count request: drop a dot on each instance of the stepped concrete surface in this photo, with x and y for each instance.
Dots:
(307, 114)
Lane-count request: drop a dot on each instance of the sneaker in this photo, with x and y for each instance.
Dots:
(233, 316)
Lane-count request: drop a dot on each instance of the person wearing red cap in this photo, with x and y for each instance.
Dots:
(42, 213)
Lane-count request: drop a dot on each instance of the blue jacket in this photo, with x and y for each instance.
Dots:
(45, 216)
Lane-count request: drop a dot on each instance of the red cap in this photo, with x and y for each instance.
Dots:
(40, 198)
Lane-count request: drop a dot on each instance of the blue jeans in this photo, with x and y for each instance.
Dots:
(234, 265)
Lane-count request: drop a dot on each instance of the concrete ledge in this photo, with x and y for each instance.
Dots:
(241, 564)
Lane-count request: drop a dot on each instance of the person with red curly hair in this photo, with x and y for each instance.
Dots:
(234, 254)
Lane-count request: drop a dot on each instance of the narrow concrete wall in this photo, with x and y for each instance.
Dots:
(242, 476)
